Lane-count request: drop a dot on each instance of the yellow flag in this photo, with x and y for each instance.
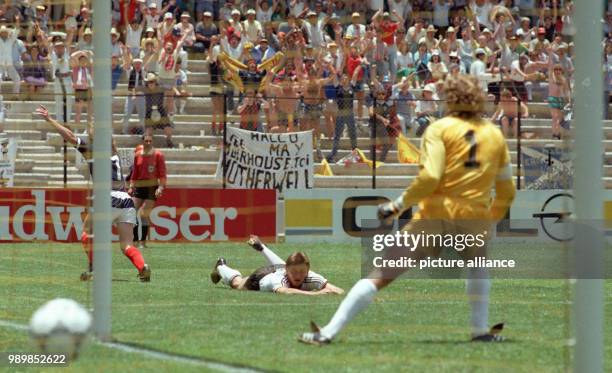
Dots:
(324, 169)
(365, 159)
(407, 152)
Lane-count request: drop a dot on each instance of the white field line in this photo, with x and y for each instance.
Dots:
(159, 355)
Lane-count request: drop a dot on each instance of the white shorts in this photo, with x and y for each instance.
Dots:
(124, 215)
(123, 210)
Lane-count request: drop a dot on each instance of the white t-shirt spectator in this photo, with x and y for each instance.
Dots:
(18, 50)
(252, 30)
(478, 69)
(315, 33)
(132, 37)
(526, 36)
(152, 21)
(356, 30)
(6, 49)
(233, 52)
(440, 16)
(189, 31)
(482, 13)
(515, 67)
(264, 16)
(404, 61)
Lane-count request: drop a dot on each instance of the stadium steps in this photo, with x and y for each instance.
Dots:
(23, 134)
(32, 179)
(127, 141)
(193, 125)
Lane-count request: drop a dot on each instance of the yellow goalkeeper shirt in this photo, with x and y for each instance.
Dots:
(461, 160)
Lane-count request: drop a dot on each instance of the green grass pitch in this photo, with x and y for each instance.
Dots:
(413, 326)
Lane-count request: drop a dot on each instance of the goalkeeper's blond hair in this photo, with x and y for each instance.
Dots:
(464, 96)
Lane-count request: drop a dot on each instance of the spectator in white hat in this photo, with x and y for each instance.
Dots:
(252, 27)
(7, 67)
(187, 29)
(356, 29)
(150, 55)
(235, 20)
(415, 33)
(436, 66)
(525, 32)
(135, 97)
(479, 67)
(153, 15)
(204, 31)
(314, 28)
(42, 17)
(85, 39)
(166, 26)
(62, 86)
(116, 44)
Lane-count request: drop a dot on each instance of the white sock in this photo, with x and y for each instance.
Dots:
(227, 274)
(272, 258)
(357, 299)
(477, 289)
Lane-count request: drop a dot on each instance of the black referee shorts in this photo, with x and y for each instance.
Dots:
(146, 192)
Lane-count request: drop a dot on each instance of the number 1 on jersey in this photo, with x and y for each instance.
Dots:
(471, 162)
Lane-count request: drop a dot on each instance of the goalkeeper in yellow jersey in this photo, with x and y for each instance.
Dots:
(463, 156)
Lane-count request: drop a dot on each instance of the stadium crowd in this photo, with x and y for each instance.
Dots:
(300, 61)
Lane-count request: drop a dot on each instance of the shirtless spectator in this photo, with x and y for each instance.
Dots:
(508, 112)
(312, 90)
(286, 95)
(558, 93)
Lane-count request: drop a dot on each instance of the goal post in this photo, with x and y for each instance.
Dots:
(101, 217)
(588, 188)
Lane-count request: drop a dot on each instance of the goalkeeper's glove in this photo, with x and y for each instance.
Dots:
(255, 242)
(389, 210)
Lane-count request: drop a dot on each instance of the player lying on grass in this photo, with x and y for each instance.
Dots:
(123, 210)
(291, 277)
(462, 157)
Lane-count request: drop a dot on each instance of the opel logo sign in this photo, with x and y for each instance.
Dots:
(554, 217)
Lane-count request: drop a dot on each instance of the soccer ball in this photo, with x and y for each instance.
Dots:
(60, 326)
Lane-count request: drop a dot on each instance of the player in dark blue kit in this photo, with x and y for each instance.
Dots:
(124, 213)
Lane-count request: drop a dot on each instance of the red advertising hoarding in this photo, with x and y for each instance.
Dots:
(194, 215)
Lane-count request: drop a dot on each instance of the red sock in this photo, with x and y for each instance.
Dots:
(86, 242)
(135, 257)
(214, 126)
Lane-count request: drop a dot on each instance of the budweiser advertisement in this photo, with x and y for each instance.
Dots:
(194, 215)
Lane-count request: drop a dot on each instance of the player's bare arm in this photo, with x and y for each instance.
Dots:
(66, 133)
